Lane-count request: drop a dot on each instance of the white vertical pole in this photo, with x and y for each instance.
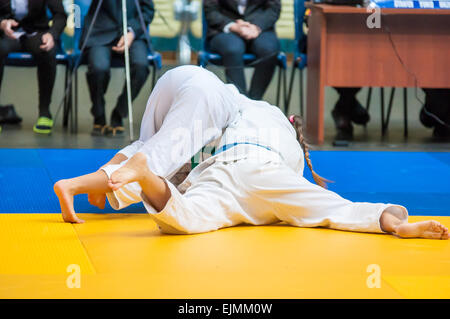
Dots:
(127, 68)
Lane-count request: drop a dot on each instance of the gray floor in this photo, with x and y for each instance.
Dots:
(20, 88)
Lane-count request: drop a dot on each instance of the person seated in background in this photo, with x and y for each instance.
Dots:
(236, 27)
(107, 41)
(347, 111)
(435, 113)
(24, 27)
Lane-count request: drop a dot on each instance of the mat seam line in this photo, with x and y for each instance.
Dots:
(85, 250)
(73, 227)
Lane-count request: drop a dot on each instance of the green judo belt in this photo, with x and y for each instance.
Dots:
(206, 151)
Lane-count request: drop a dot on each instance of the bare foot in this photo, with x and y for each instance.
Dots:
(65, 196)
(132, 171)
(428, 229)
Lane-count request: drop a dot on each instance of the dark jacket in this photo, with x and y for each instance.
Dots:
(37, 19)
(108, 26)
(218, 13)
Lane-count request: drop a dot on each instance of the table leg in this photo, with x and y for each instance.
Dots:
(316, 78)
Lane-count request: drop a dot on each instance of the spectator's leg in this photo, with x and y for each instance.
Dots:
(98, 76)
(436, 111)
(342, 112)
(347, 100)
(266, 48)
(7, 46)
(231, 47)
(46, 71)
(139, 74)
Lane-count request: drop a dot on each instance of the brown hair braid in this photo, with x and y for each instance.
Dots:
(296, 121)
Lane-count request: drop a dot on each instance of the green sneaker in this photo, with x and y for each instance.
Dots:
(44, 125)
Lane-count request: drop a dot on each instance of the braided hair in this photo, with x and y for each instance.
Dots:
(296, 121)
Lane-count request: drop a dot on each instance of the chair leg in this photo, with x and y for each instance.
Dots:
(388, 116)
(154, 77)
(405, 111)
(369, 98)
(75, 108)
(382, 110)
(291, 84)
(279, 86)
(368, 101)
(69, 116)
(66, 99)
(72, 95)
(286, 106)
(302, 96)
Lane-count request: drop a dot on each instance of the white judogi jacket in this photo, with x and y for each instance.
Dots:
(188, 109)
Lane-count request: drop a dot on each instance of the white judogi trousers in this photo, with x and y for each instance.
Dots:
(261, 190)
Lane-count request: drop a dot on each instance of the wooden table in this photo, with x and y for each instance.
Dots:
(412, 48)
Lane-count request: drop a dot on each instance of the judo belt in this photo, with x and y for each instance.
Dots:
(228, 146)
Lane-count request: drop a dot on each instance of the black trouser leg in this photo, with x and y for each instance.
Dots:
(46, 71)
(139, 74)
(347, 95)
(7, 46)
(436, 111)
(98, 77)
(266, 48)
(231, 47)
(437, 101)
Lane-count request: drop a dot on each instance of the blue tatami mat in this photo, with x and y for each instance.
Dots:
(418, 180)
(27, 178)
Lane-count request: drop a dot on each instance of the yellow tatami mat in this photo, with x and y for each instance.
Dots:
(39, 244)
(125, 256)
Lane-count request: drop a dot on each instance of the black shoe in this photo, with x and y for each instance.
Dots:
(8, 115)
(441, 132)
(343, 135)
(359, 114)
(116, 128)
(116, 118)
(343, 124)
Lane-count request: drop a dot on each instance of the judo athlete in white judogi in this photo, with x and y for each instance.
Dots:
(254, 177)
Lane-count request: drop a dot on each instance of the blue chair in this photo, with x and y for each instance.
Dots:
(154, 58)
(300, 59)
(25, 59)
(205, 57)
